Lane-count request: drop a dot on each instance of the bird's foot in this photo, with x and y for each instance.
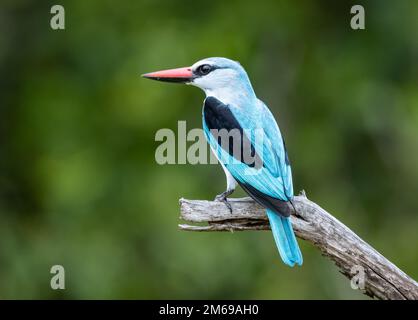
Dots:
(223, 198)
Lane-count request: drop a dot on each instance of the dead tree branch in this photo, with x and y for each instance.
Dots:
(352, 255)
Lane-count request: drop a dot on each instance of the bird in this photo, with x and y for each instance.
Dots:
(265, 174)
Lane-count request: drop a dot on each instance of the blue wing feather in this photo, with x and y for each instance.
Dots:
(274, 178)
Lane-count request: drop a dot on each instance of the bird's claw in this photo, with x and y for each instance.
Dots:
(223, 198)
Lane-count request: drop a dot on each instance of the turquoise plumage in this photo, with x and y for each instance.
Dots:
(275, 182)
(232, 104)
(274, 178)
(285, 239)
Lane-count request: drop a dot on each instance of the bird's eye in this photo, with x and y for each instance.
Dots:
(204, 69)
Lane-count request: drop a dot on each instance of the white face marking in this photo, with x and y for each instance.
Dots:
(218, 78)
(223, 83)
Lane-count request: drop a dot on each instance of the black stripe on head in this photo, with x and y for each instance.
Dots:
(219, 117)
(205, 69)
(279, 206)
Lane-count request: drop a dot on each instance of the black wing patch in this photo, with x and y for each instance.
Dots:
(279, 206)
(218, 116)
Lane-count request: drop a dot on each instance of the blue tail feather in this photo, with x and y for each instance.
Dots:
(285, 239)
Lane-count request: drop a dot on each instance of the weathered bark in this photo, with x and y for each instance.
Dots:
(382, 279)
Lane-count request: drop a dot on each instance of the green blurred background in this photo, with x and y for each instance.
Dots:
(79, 185)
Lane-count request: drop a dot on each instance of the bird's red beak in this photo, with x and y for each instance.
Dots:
(181, 75)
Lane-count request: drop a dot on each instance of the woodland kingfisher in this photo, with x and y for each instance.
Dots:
(231, 104)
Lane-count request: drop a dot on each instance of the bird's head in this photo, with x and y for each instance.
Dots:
(213, 75)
